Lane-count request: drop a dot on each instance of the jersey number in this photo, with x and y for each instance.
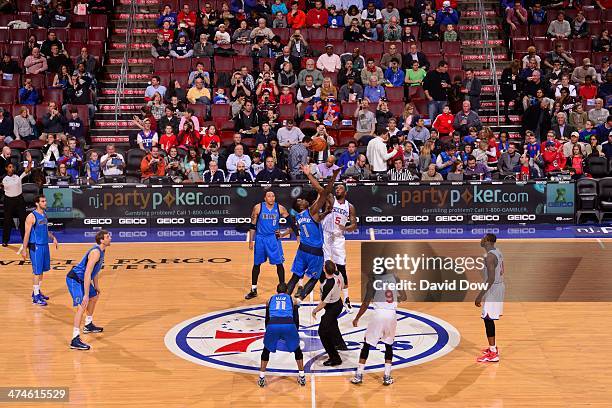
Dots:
(337, 220)
(305, 231)
(280, 304)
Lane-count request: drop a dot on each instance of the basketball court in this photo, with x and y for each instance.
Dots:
(178, 333)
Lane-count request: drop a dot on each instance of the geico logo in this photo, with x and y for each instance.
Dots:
(521, 217)
(170, 233)
(357, 219)
(97, 221)
(204, 233)
(170, 220)
(243, 220)
(388, 218)
(525, 230)
(132, 221)
(449, 230)
(415, 218)
(414, 231)
(383, 231)
(479, 231)
(90, 234)
(132, 234)
(452, 218)
(231, 233)
(203, 220)
(485, 217)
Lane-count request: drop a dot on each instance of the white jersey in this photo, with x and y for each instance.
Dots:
(338, 216)
(385, 298)
(499, 269)
(383, 323)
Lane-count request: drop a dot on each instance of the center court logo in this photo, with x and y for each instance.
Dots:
(232, 340)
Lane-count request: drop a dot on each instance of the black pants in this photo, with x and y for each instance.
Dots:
(329, 332)
(13, 207)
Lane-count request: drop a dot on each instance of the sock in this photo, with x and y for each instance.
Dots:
(301, 373)
(387, 369)
(301, 282)
(36, 290)
(493, 348)
(75, 332)
(345, 293)
(253, 287)
(88, 319)
(262, 374)
(360, 368)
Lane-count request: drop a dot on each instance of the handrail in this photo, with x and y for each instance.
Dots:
(490, 55)
(122, 80)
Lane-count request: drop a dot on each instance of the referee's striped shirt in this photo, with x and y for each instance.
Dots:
(401, 175)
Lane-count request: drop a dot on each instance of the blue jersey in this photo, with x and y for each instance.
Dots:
(268, 220)
(79, 269)
(310, 231)
(39, 234)
(280, 306)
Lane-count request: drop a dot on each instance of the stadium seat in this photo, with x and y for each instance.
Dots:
(242, 49)
(348, 110)
(162, 65)
(98, 21)
(283, 33)
(240, 61)
(581, 44)
(73, 48)
(36, 144)
(77, 35)
(454, 61)
(335, 34)
(597, 166)
(15, 82)
(542, 45)
(182, 77)
(372, 48)
(345, 136)
(586, 189)
(397, 108)
(591, 14)
(538, 31)
(430, 47)
(199, 110)
(18, 145)
(53, 95)
(183, 65)
(218, 112)
(62, 33)
(164, 77)
(316, 34)
(39, 81)
(286, 111)
(605, 197)
(451, 48)
(223, 64)
(395, 93)
(132, 162)
(96, 35)
(4, 36)
(522, 31)
(6, 18)
(18, 35)
(206, 61)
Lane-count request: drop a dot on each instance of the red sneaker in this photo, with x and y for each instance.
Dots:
(490, 357)
(487, 349)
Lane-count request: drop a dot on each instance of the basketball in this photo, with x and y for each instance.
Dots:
(318, 144)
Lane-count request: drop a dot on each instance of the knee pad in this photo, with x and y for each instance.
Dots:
(388, 352)
(342, 270)
(298, 354)
(265, 355)
(365, 352)
(490, 327)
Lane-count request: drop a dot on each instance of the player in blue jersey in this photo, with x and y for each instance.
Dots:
(84, 287)
(36, 243)
(309, 257)
(282, 322)
(265, 228)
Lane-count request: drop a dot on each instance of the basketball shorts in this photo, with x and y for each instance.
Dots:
(285, 332)
(77, 291)
(268, 247)
(334, 248)
(40, 258)
(307, 264)
(493, 302)
(381, 327)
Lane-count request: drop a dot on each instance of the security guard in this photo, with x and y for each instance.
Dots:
(331, 301)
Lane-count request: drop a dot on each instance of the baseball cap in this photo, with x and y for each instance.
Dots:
(575, 134)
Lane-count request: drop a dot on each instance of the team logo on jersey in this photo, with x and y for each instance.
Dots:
(232, 340)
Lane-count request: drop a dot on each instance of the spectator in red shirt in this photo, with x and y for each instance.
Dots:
(167, 32)
(553, 158)
(187, 18)
(296, 18)
(168, 139)
(588, 90)
(550, 137)
(444, 122)
(317, 17)
(210, 136)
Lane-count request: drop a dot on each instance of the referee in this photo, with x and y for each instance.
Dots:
(14, 204)
(331, 301)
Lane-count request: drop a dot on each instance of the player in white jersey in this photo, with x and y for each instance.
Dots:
(340, 220)
(382, 324)
(492, 298)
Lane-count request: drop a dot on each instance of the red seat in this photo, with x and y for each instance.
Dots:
(591, 14)
(164, 77)
(395, 93)
(598, 56)
(606, 15)
(520, 44)
(96, 50)
(564, 42)
(348, 109)
(595, 28)
(8, 95)
(430, 47)
(39, 81)
(283, 33)
(183, 65)
(317, 34)
(345, 136)
(538, 30)
(75, 18)
(62, 34)
(333, 76)
(98, 20)
(18, 145)
(373, 47)
(542, 45)
(241, 60)
(162, 65)
(286, 111)
(204, 60)
(242, 49)
(223, 64)
(73, 48)
(77, 35)
(53, 95)
(14, 50)
(221, 112)
(451, 48)
(96, 35)
(4, 36)
(522, 31)
(336, 34)
(182, 77)
(19, 34)
(421, 107)
(6, 18)
(581, 44)
(36, 144)
(454, 61)
(12, 83)
(396, 107)
(199, 110)
(40, 33)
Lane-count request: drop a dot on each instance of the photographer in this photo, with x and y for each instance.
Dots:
(112, 163)
(51, 154)
(152, 164)
(239, 87)
(365, 122)
(53, 123)
(174, 170)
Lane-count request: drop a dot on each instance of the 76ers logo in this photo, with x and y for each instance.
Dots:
(233, 340)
